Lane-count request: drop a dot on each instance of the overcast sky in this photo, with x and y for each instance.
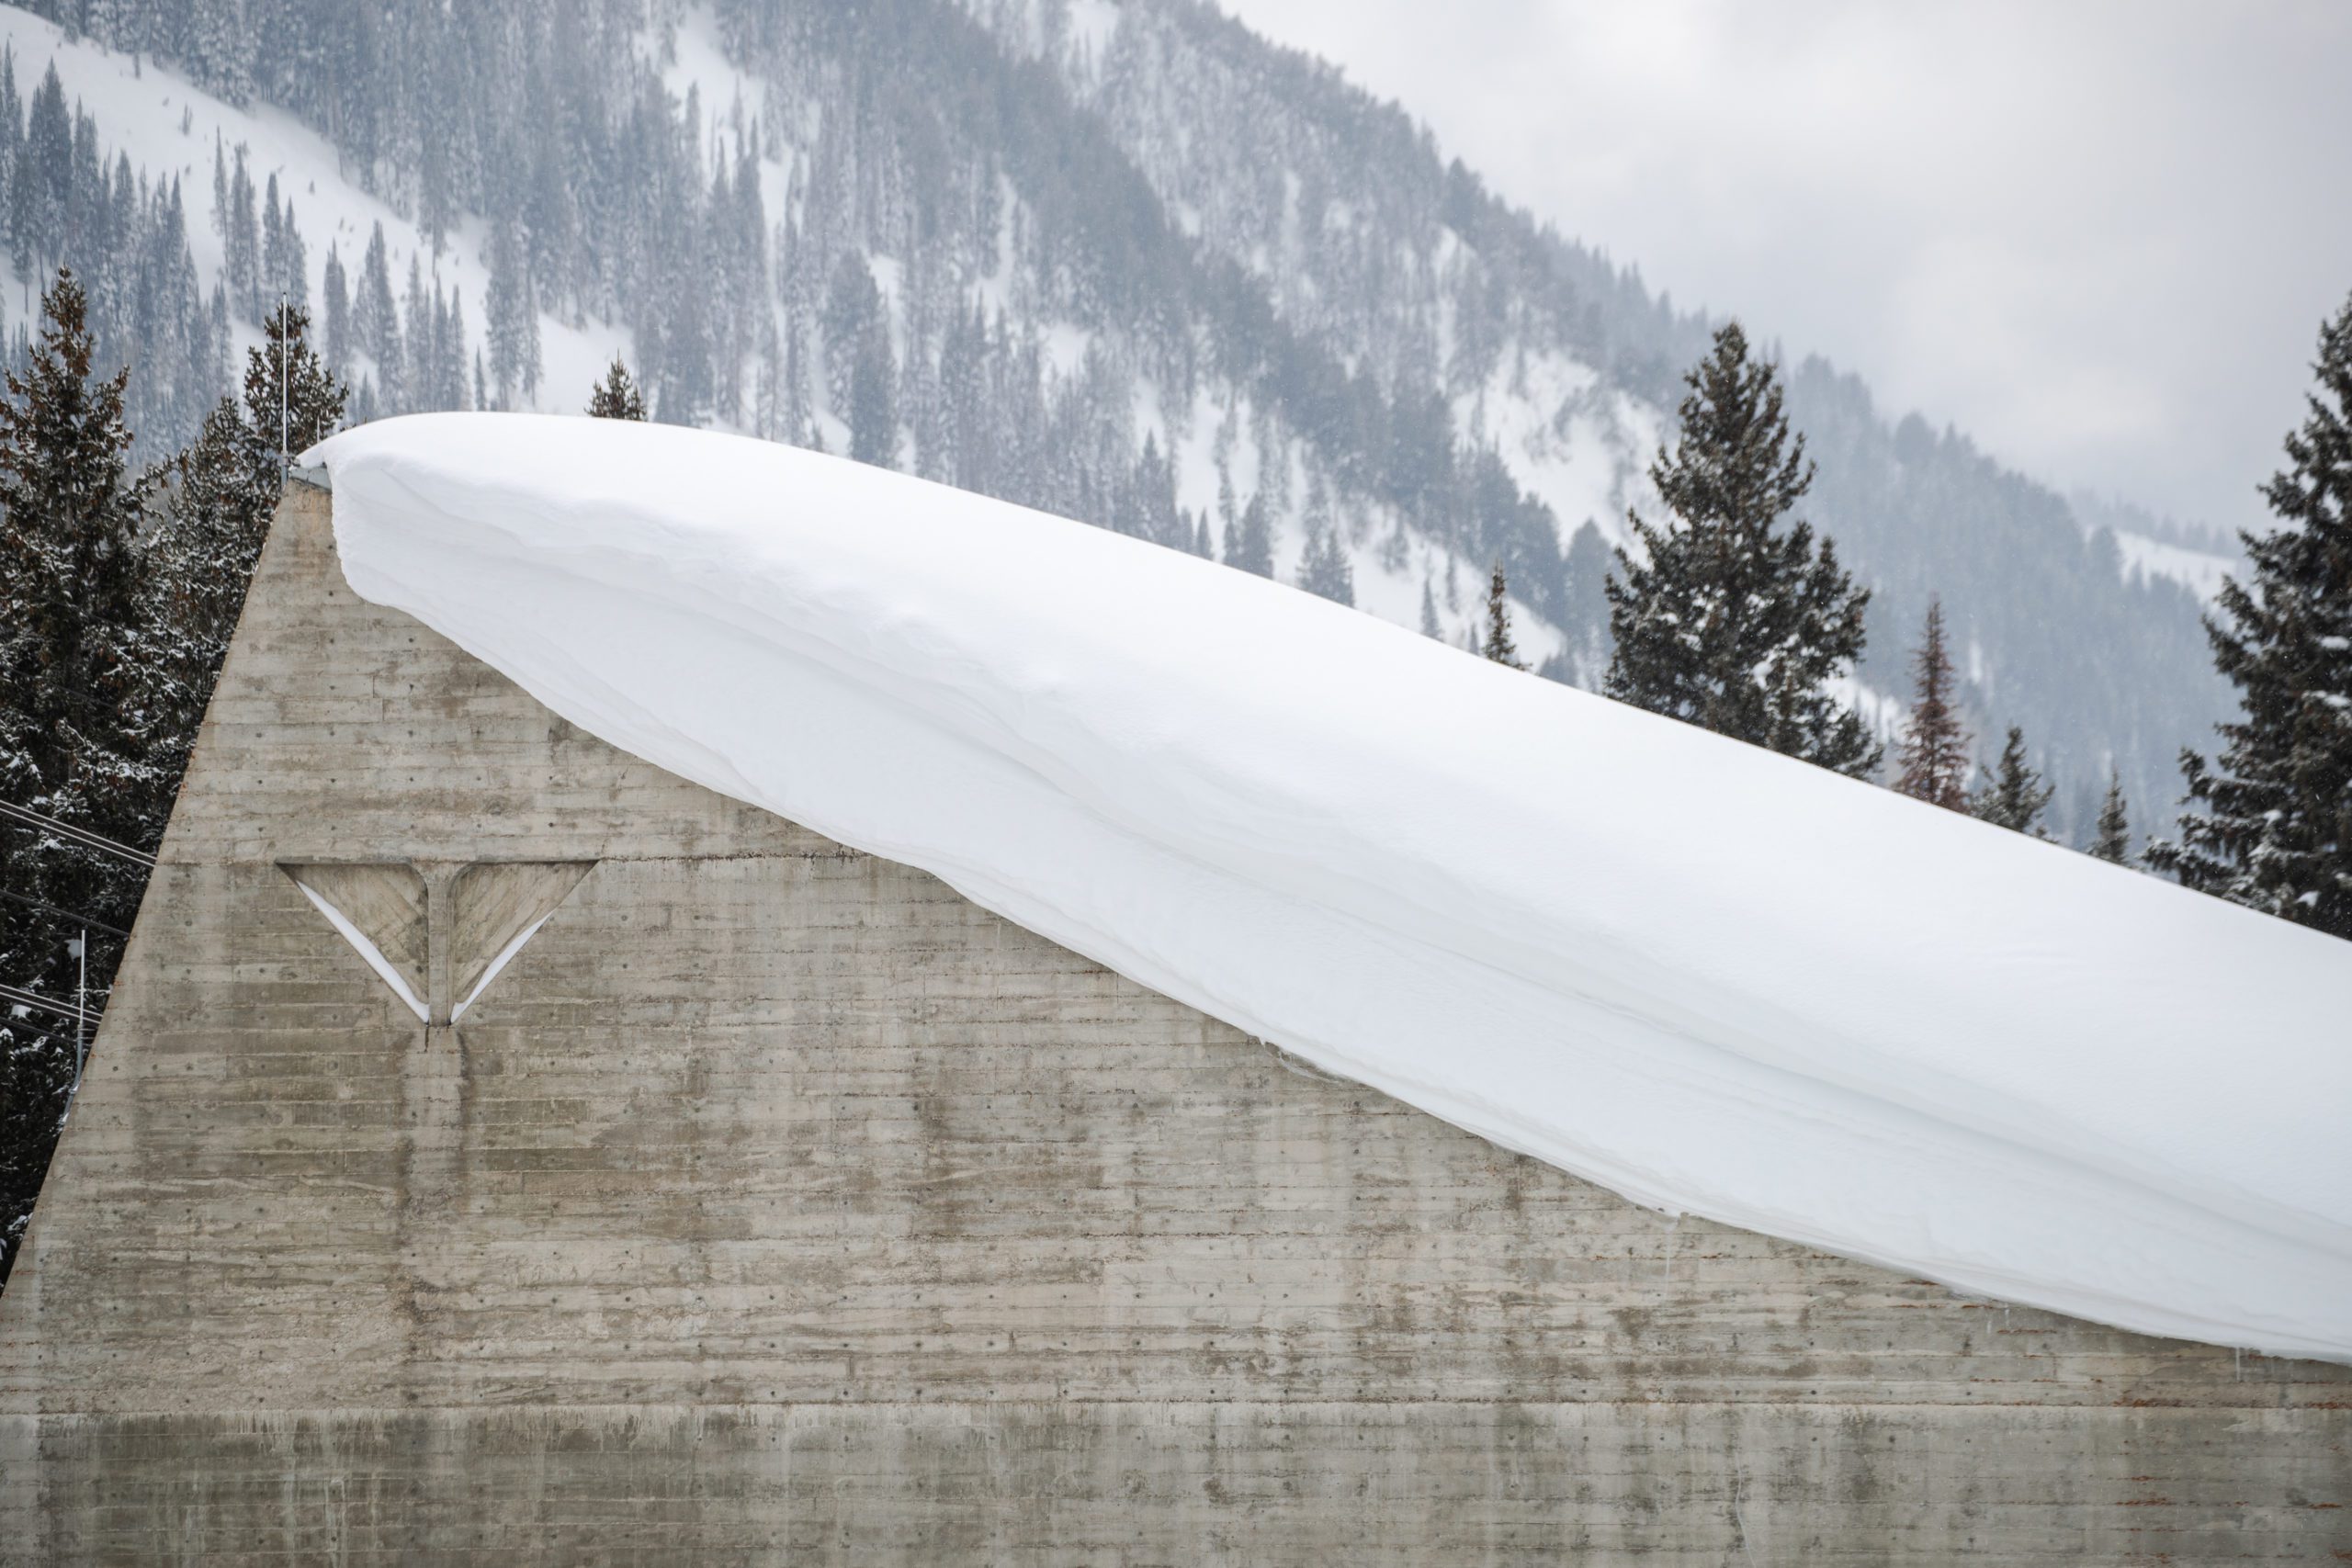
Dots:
(2100, 237)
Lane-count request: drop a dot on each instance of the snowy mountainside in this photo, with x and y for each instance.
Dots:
(1126, 263)
(168, 129)
(1567, 366)
(147, 112)
(2154, 545)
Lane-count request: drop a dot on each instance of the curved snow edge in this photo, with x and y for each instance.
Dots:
(1711, 979)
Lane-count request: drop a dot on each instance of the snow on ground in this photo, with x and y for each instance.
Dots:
(1571, 448)
(698, 62)
(2200, 572)
(1709, 978)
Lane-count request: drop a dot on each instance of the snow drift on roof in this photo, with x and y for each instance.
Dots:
(1709, 978)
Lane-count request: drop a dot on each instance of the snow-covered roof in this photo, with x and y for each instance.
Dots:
(1709, 978)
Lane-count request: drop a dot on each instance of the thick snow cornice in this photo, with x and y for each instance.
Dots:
(1709, 978)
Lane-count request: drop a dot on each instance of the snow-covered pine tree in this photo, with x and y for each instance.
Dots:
(2114, 840)
(617, 395)
(513, 311)
(221, 186)
(75, 710)
(2270, 824)
(853, 304)
(2016, 797)
(1250, 544)
(71, 578)
(420, 375)
(1728, 622)
(287, 384)
(872, 411)
(335, 308)
(273, 244)
(1430, 626)
(376, 321)
(243, 253)
(1323, 569)
(218, 48)
(1498, 646)
(1934, 755)
(296, 283)
(798, 414)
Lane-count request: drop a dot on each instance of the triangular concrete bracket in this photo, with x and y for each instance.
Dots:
(495, 909)
(381, 909)
(437, 932)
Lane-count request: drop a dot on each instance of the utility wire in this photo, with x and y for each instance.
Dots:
(11, 811)
(68, 916)
(24, 998)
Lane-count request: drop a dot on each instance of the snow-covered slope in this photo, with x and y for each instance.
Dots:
(2199, 572)
(168, 128)
(1709, 978)
(149, 112)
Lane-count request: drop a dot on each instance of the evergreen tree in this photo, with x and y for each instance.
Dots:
(1934, 757)
(376, 321)
(229, 481)
(852, 310)
(294, 281)
(1729, 623)
(873, 412)
(1250, 544)
(421, 379)
(1499, 647)
(293, 400)
(335, 308)
(2271, 824)
(272, 244)
(617, 395)
(1430, 626)
(2017, 796)
(513, 314)
(75, 719)
(2114, 841)
(1325, 571)
(70, 566)
(243, 255)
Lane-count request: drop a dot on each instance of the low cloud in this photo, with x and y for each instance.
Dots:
(2100, 237)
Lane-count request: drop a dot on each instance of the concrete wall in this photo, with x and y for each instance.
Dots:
(776, 1205)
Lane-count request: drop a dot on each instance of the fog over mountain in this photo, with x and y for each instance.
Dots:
(2086, 232)
(1132, 263)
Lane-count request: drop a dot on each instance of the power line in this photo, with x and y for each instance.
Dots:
(24, 998)
(11, 811)
(68, 916)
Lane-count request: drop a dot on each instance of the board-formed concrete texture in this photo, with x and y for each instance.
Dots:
(774, 1204)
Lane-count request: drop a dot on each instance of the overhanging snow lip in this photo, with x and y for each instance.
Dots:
(881, 607)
